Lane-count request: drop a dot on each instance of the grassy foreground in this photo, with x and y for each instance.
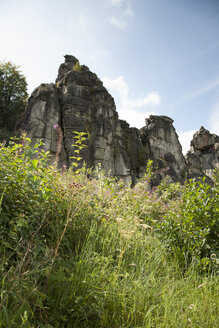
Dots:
(80, 252)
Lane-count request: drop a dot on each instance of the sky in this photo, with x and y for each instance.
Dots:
(156, 57)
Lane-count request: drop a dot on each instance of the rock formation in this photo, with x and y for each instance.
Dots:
(203, 155)
(79, 102)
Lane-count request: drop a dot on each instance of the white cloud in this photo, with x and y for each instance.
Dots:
(124, 14)
(82, 22)
(131, 110)
(99, 54)
(119, 23)
(151, 99)
(185, 139)
(116, 2)
(128, 12)
(214, 120)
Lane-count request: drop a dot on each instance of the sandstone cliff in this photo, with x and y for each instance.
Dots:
(203, 155)
(79, 102)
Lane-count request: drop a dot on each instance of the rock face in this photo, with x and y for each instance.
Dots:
(79, 102)
(203, 155)
(162, 144)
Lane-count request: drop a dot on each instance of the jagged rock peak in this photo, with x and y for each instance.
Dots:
(156, 119)
(68, 65)
(203, 155)
(70, 58)
(163, 145)
(203, 139)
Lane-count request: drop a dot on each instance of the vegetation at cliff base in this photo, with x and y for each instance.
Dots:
(81, 252)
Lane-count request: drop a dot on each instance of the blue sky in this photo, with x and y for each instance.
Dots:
(154, 56)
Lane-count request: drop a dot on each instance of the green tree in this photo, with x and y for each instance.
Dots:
(13, 98)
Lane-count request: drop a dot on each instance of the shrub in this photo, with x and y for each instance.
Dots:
(190, 224)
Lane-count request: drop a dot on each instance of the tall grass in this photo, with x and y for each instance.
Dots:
(77, 252)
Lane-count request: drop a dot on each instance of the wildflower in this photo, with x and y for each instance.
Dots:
(55, 126)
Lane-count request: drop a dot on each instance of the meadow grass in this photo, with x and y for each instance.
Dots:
(80, 252)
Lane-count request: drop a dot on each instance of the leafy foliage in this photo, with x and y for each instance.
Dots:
(190, 226)
(13, 97)
(80, 252)
(78, 146)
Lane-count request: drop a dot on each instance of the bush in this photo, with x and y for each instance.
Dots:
(191, 223)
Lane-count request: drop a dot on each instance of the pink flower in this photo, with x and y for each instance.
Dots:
(55, 126)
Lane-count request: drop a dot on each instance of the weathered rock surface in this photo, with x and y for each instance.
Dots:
(161, 141)
(79, 102)
(203, 155)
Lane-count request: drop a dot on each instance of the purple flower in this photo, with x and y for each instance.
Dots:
(55, 126)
